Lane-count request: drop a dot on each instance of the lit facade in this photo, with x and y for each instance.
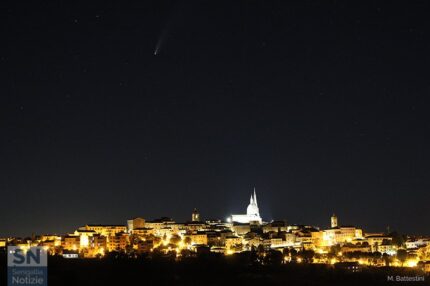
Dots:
(195, 216)
(333, 221)
(106, 230)
(135, 223)
(252, 212)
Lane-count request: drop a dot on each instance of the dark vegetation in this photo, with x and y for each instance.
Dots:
(207, 269)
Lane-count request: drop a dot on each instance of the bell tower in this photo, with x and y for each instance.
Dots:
(195, 216)
(334, 221)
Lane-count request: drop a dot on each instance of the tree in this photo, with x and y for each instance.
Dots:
(187, 240)
(398, 239)
(375, 257)
(335, 249)
(293, 254)
(402, 254)
(387, 259)
(237, 247)
(273, 257)
(175, 239)
(260, 250)
(307, 255)
(185, 253)
(253, 257)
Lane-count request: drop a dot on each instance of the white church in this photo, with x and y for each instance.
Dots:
(252, 212)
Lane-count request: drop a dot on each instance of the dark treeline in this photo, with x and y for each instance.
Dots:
(205, 269)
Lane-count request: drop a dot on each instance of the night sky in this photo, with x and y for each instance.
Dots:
(108, 112)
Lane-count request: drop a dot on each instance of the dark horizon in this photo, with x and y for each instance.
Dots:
(321, 222)
(111, 111)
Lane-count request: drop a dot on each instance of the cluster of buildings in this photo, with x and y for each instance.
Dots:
(239, 233)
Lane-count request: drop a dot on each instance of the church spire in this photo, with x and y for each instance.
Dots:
(255, 197)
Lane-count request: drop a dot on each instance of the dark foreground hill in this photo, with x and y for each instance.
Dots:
(207, 270)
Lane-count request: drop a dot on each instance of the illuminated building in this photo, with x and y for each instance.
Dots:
(275, 226)
(192, 226)
(199, 238)
(224, 234)
(51, 237)
(424, 252)
(317, 238)
(252, 240)
(417, 243)
(355, 248)
(195, 216)
(304, 238)
(290, 239)
(49, 245)
(343, 234)
(135, 223)
(144, 231)
(99, 242)
(71, 242)
(160, 226)
(376, 240)
(84, 237)
(241, 228)
(117, 242)
(106, 230)
(232, 241)
(252, 212)
(340, 234)
(387, 247)
(333, 221)
(276, 242)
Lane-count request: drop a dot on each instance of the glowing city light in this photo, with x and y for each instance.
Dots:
(411, 263)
